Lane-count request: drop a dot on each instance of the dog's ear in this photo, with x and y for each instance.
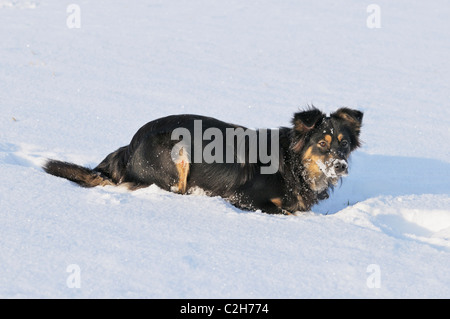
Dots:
(353, 118)
(303, 123)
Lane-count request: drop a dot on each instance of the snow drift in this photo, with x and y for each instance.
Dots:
(77, 94)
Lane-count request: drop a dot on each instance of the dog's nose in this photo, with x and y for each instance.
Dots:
(340, 166)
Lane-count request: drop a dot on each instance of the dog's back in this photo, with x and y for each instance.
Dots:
(149, 159)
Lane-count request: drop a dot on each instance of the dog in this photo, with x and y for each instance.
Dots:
(305, 162)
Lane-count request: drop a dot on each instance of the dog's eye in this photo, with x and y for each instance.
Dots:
(322, 144)
(344, 143)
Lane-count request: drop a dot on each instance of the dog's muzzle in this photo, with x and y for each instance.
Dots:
(340, 167)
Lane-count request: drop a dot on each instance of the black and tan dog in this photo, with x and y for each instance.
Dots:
(310, 158)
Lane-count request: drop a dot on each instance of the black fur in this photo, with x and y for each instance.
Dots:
(302, 178)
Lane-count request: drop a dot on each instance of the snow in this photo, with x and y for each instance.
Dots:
(77, 94)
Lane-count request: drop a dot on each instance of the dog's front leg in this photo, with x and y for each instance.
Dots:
(273, 207)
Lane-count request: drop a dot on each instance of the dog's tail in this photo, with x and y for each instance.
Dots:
(83, 176)
(111, 171)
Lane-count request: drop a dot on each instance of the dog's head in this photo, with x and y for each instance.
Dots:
(323, 144)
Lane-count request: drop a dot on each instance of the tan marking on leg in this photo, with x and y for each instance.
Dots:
(276, 201)
(183, 170)
(182, 165)
(107, 182)
(99, 180)
(286, 212)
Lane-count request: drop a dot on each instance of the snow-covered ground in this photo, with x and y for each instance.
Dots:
(77, 94)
